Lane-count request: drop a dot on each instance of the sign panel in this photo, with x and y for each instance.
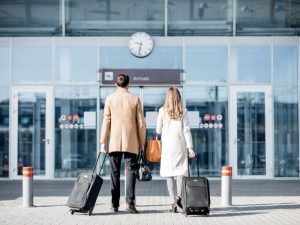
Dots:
(89, 120)
(143, 76)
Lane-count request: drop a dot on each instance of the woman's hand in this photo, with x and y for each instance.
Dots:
(192, 153)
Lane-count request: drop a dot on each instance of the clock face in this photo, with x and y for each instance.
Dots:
(140, 44)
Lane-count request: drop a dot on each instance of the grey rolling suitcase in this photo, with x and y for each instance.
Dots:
(195, 194)
(85, 192)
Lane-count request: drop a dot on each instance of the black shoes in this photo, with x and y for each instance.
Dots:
(114, 209)
(178, 202)
(173, 208)
(131, 208)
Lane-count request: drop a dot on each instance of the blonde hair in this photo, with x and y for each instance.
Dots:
(173, 103)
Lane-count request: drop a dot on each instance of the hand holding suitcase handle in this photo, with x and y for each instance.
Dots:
(196, 156)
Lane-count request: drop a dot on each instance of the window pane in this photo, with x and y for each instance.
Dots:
(209, 127)
(4, 132)
(256, 17)
(114, 17)
(189, 18)
(285, 64)
(76, 64)
(32, 131)
(30, 18)
(250, 64)
(286, 132)
(4, 65)
(75, 130)
(251, 133)
(32, 65)
(161, 57)
(202, 61)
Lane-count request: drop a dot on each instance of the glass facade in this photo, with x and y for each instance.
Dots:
(30, 18)
(285, 64)
(211, 69)
(75, 130)
(114, 18)
(202, 61)
(4, 66)
(76, 64)
(250, 64)
(275, 17)
(32, 65)
(208, 109)
(251, 133)
(194, 18)
(286, 131)
(4, 131)
(161, 57)
(157, 17)
(32, 131)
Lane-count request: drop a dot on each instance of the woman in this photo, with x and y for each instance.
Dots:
(173, 124)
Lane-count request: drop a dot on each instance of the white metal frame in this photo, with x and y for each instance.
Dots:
(49, 147)
(268, 125)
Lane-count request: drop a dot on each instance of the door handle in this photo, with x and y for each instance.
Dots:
(46, 140)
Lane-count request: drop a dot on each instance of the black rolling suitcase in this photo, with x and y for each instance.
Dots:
(195, 194)
(85, 192)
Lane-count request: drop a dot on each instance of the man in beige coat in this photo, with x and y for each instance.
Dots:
(123, 122)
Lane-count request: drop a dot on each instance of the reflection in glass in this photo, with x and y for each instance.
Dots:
(4, 132)
(201, 64)
(256, 17)
(32, 65)
(75, 130)
(210, 128)
(76, 64)
(161, 57)
(285, 64)
(4, 65)
(114, 17)
(286, 131)
(30, 18)
(251, 133)
(250, 64)
(31, 131)
(192, 18)
(104, 92)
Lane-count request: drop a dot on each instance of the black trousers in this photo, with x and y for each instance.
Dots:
(130, 160)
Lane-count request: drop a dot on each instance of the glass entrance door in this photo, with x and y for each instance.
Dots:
(251, 131)
(32, 121)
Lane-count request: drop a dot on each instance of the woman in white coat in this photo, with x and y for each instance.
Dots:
(173, 125)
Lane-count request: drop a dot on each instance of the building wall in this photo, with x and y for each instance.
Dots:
(65, 69)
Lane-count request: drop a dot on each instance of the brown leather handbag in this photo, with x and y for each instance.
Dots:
(153, 150)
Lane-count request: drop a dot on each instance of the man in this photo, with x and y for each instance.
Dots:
(123, 122)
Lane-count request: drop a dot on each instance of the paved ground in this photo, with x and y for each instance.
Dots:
(255, 202)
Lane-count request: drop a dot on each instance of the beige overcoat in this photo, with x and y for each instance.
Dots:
(123, 122)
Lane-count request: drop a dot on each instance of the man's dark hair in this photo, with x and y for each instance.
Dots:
(122, 80)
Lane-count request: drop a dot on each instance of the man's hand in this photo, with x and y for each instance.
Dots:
(142, 148)
(102, 149)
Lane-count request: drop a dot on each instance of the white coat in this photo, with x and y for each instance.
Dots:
(176, 139)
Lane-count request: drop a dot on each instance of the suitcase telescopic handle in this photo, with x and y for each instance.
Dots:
(97, 162)
(197, 159)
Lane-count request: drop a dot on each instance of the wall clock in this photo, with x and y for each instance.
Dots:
(140, 44)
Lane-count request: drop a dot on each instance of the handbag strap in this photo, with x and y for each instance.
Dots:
(141, 158)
